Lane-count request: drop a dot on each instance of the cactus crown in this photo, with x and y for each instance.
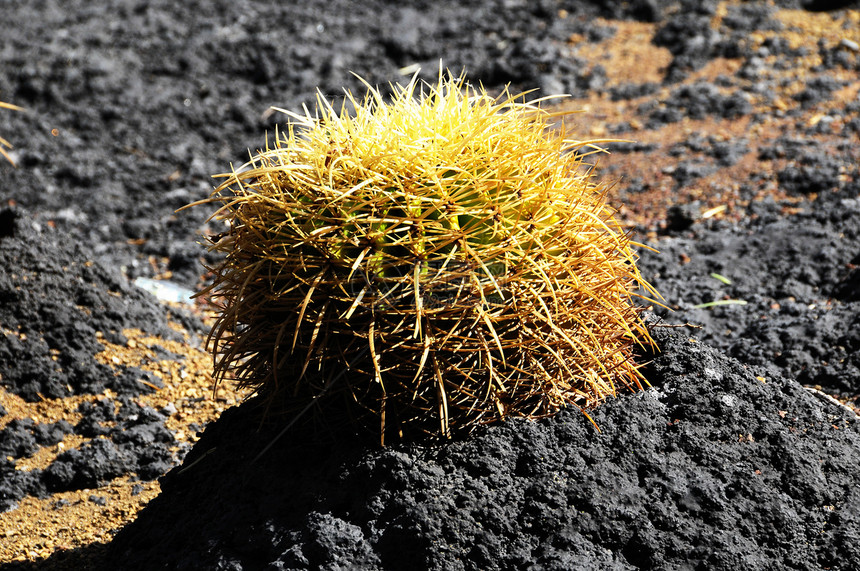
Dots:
(447, 250)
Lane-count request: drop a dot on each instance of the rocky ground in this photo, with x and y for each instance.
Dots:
(741, 168)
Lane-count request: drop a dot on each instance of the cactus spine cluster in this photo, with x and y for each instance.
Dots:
(4, 142)
(440, 260)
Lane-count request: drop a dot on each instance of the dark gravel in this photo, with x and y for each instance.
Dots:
(712, 468)
(726, 463)
(57, 306)
(796, 277)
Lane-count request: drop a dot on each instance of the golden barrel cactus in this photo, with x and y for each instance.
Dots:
(440, 261)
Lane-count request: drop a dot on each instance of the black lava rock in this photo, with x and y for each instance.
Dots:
(663, 484)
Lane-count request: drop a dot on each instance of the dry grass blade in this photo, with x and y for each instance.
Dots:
(447, 249)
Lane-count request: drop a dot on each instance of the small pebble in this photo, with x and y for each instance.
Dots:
(850, 44)
(98, 500)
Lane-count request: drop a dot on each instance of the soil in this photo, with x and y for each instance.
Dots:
(740, 166)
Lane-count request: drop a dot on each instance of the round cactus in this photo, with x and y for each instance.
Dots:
(441, 260)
